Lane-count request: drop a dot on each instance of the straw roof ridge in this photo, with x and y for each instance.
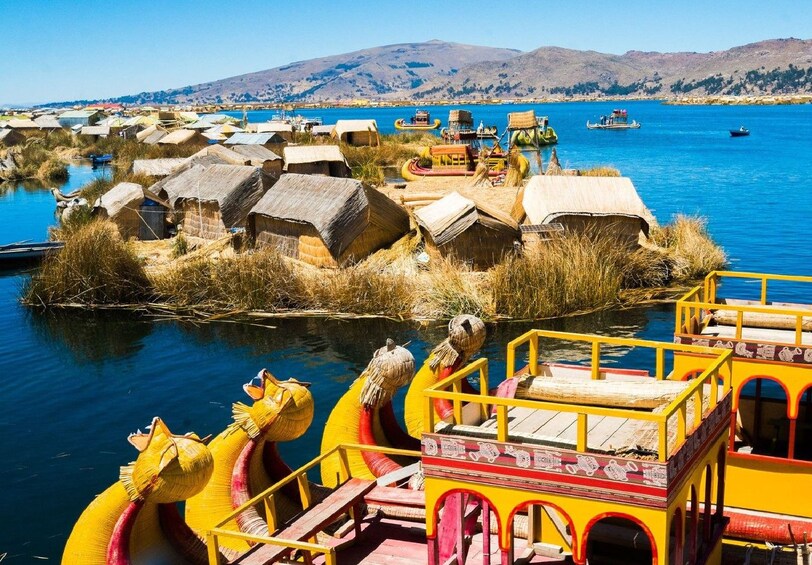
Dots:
(158, 167)
(451, 215)
(235, 188)
(351, 126)
(547, 198)
(337, 207)
(257, 154)
(522, 120)
(299, 154)
(245, 138)
(120, 196)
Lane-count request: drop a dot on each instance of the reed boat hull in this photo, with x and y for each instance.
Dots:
(402, 124)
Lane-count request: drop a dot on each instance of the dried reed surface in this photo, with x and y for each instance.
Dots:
(95, 267)
(691, 250)
(599, 172)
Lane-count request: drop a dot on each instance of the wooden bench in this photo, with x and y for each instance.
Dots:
(350, 495)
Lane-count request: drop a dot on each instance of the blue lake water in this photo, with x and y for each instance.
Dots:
(74, 385)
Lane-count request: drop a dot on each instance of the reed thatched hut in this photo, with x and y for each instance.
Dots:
(324, 221)
(124, 204)
(269, 140)
(212, 200)
(158, 168)
(47, 122)
(284, 129)
(357, 132)
(260, 156)
(322, 131)
(183, 137)
(151, 135)
(316, 160)
(217, 155)
(10, 137)
(95, 132)
(606, 204)
(458, 227)
(20, 124)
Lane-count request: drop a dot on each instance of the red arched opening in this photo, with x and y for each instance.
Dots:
(763, 423)
(618, 538)
(463, 525)
(720, 483)
(522, 518)
(676, 538)
(707, 502)
(691, 527)
(803, 427)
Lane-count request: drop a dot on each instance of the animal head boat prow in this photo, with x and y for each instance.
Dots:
(169, 467)
(282, 410)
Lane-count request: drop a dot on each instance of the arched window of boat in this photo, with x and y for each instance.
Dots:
(763, 425)
(803, 427)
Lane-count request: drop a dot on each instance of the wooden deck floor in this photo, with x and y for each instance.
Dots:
(761, 335)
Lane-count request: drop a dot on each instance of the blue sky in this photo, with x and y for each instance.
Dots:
(62, 50)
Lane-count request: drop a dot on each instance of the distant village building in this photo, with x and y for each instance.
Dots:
(20, 124)
(322, 131)
(608, 205)
(471, 232)
(79, 118)
(95, 132)
(47, 122)
(213, 200)
(316, 160)
(136, 214)
(325, 221)
(272, 141)
(151, 135)
(284, 129)
(357, 132)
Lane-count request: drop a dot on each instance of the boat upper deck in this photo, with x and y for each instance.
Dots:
(610, 428)
(759, 329)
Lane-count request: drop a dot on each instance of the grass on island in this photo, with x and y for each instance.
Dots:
(574, 272)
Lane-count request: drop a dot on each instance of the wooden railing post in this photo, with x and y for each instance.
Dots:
(581, 441)
(534, 355)
(501, 423)
(212, 548)
(596, 360)
(304, 489)
(344, 464)
(662, 428)
(660, 364)
(764, 290)
(270, 513)
(457, 387)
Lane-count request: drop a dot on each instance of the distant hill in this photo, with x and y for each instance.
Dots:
(436, 70)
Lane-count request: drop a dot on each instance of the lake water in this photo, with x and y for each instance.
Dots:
(74, 385)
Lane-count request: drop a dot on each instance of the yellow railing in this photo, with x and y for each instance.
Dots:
(451, 389)
(267, 499)
(696, 302)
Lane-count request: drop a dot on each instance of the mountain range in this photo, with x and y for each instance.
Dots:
(438, 70)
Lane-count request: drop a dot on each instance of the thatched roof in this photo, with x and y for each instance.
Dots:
(254, 138)
(235, 188)
(522, 120)
(180, 136)
(460, 117)
(339, 209)
(256, 153)
(95, 130)
(218, 155)
(266, 127)
(322, 130)
(547, 198)
(450, 216)
(47, 122)
(19, 123)
(344, 127)
(157, 167)
(225, 129)
(9, 136)
(299, 154)
(123, 195)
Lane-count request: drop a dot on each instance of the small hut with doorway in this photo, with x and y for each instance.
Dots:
(322, 131)
(458, 227)
(10, 137)
(137, 212)
(316, 160)
(604, 205)
(325, 221)
(151, 135)
(212, 200)
(357, 132)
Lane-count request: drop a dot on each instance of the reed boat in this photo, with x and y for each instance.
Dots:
(456, 161)
(524, 135)
(524, 473)
(421, 120)
(770, 444)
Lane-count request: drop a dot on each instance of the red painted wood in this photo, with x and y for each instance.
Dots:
(118, 548)
(378, 463)
(313, 520)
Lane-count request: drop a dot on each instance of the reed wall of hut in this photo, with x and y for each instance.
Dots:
(480, 246)
(120, 204)
(326, 168)
(10, 137)
(202, 219)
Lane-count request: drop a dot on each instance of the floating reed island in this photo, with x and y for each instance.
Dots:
(283, 222)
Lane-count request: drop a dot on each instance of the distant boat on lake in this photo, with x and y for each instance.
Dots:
(741, 132)
(618, 119)
(98, 160)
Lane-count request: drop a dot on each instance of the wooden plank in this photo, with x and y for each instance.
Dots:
(557, 424)
(533, 421)
(601, 437)
(313, 520)
(391, 496)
